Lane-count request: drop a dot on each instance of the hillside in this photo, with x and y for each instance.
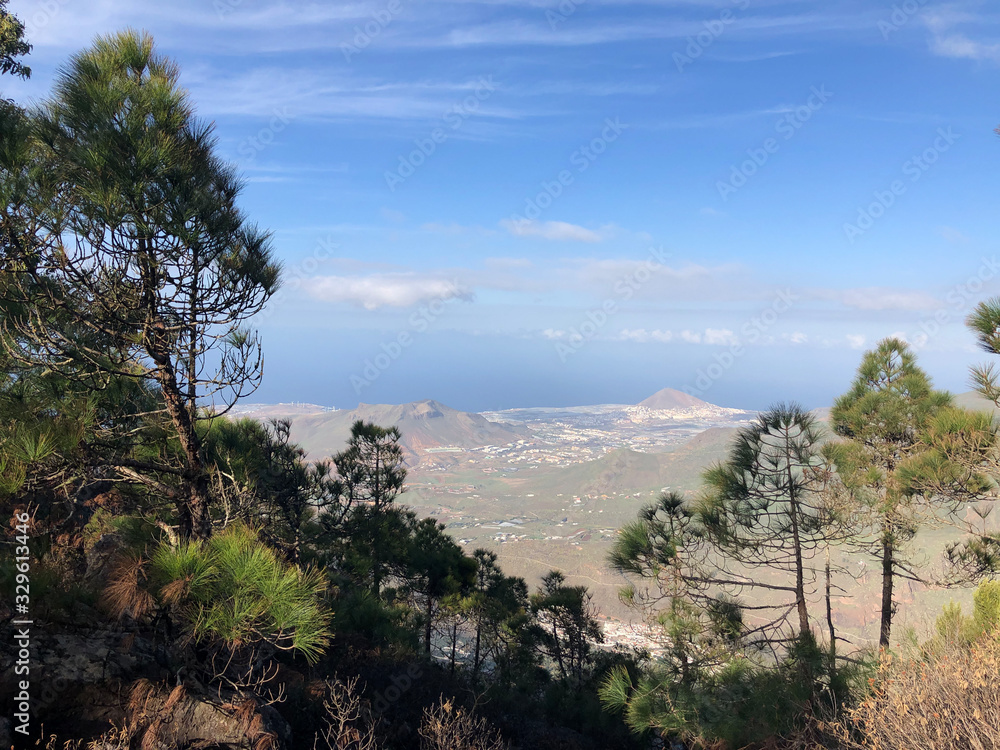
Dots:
(669, 399)
(625, 470)
(972, 400)
(425, 425)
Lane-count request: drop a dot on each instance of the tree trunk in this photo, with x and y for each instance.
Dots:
(885, 629)
(379, 539)
(829, 617)
(800, 584)
(195, 522)
(475, 658)
(427, 626)
(557, 646)
(454, 646)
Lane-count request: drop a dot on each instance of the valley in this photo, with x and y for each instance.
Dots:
(548, 488)
(544, 488)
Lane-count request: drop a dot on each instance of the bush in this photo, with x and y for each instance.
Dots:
(948, 699)
(446, 727)
(740, 703)
(953, 627)
(347, 720)
(231, 589)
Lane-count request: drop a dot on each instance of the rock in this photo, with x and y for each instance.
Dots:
(89, 680)
(165, 719)
(90, 656)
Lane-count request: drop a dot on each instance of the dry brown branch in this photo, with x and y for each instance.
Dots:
(445, 727)
(944, 700)
(348, 722)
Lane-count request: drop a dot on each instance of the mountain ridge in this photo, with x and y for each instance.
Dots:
(425, 425)
(668, 399)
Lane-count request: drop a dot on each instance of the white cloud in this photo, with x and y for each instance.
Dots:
(796, 338)
(551, 230)
(881, 298)
(959, 45)
(691, 337)
(855, 341)
(385, 290)
(554, 334)
(947, 41)
(955, 236)
(720, 337)
(641, 335)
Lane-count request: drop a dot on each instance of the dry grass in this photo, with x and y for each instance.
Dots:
(116, 738)
(446, 727)
(947, 700)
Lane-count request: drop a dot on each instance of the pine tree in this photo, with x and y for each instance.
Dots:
(883, 418)
(766, 508)
(370, 475)
(141, 265)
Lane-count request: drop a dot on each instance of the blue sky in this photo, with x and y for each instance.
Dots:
(525, 202)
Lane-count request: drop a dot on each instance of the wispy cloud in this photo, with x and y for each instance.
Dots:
(953, 235)
(385, 290)
(335, 94)
(559, 231)
(880, 298)
(950, 27)
(641, 335)
(708, 337)
(856, 340)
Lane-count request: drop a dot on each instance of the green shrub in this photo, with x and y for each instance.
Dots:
(954, 627)
(230, 589)
(740, 703)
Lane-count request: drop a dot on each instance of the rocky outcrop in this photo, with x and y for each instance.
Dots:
(89, 680)
(167, 719)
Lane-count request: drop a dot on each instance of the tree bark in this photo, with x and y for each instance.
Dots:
(800, 584)
(888, 571)
(829, 616)
(427, 626)
(194, 520)
(479, 638)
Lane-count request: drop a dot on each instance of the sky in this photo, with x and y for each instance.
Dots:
(509, 203)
